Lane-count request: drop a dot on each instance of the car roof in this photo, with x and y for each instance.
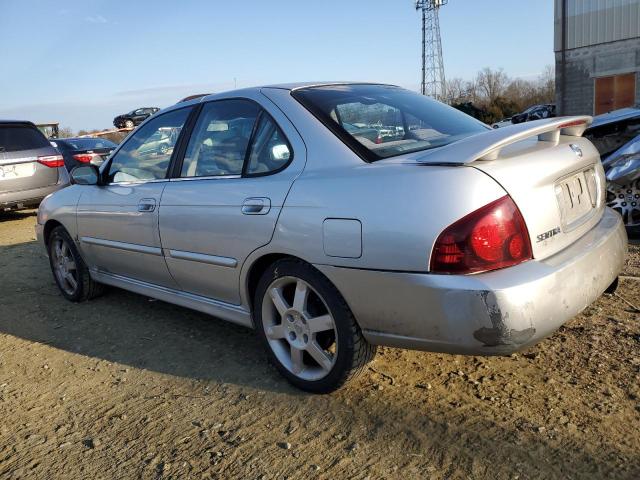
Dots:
(298, 85)
(25, 122)
(615, 116)
(280, 86)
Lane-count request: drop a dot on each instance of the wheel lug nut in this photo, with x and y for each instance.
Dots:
(305, 337)
(292, 335)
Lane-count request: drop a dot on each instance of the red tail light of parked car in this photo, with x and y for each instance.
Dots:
(494, 236)
(52, 161)
(86, 157)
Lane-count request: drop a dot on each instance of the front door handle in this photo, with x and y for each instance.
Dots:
(256, 206)
(147, 205)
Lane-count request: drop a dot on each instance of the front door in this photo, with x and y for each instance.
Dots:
(237, 170)
(118, 222)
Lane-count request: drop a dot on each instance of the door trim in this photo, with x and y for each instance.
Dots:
(202, 258)
(226, 311)
(130, 247)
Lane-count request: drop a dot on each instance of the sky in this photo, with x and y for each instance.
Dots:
(82, 62)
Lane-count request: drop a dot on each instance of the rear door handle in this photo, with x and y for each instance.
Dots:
(147, 205)
(256, 206)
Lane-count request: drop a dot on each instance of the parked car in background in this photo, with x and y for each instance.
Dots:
(274, 214)
(30, 167)
(505, 122)
(134, 117)
(83, 150)
(536, 112)
(616, 135)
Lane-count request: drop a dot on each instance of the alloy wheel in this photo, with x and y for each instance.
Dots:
(300, 328)
(625, 199)
(64, 266)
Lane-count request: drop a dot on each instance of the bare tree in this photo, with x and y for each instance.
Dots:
(65, 132)
(491, 83)
(456, 90)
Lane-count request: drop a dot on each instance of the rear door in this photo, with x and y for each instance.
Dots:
(21, 145)
(118, 222)
(225, 201)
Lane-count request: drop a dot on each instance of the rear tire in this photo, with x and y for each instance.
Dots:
(69, 270)
(308, 330)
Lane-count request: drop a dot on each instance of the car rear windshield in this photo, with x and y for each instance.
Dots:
(380, 121)
(89, 143)
(21, 137)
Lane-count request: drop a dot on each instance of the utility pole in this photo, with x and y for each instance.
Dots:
(433, 80)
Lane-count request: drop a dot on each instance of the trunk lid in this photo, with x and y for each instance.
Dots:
(560, 189)
(554, 176)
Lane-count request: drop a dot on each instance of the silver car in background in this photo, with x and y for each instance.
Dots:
(30, 167)
(336, 217)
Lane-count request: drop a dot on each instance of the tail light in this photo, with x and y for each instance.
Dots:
(494, 236)
(52, 161)
(85, 157)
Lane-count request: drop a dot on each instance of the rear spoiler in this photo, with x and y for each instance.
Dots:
(487, 146)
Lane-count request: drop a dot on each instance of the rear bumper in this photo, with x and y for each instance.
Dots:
(491, 313)
(32, 197)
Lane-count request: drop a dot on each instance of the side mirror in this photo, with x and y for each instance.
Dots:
(85, 175)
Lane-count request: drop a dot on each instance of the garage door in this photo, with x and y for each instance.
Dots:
(615, 92)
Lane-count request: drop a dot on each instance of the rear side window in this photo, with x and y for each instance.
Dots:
(270, 151)
(235, 137)
(17, 137)
(379, 121)
(220, 139)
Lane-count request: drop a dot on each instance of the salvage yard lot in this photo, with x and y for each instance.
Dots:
(126, 387)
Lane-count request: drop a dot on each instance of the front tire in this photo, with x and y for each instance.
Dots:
(308, 330)
(129, 124)
(69, 270)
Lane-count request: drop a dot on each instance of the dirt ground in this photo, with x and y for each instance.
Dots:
(127, 387)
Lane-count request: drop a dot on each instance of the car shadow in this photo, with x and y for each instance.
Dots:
(127, 328)
(146, 334)
(13, 215)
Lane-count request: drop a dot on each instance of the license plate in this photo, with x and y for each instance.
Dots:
(577, 197)
(18, 170)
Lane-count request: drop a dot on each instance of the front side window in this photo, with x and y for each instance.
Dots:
(220, 139)
(380, 121)
(147, 153)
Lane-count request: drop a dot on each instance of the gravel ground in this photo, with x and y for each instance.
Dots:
(127, 387)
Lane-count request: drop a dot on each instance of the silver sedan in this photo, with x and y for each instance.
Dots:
(336, 217)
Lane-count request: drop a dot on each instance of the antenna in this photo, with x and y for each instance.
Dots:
(433, 83)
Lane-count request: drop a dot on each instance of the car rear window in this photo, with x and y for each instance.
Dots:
(21, 137)
(380, 121)
(88, 143)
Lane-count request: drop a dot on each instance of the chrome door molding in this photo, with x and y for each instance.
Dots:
(226, 311)
(129, 247)
(201, 257)
(210, 177)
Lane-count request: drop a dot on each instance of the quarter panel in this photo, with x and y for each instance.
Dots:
(402, 209)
